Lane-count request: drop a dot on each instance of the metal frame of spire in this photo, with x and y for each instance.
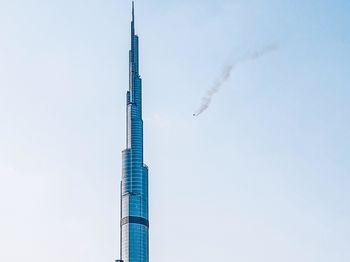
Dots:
(133, 25)
(133, 11)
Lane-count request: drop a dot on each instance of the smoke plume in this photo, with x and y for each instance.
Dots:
(226, 73)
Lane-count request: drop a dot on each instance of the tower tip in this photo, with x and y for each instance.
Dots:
(133, 10)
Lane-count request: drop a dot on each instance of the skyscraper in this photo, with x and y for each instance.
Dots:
(134, 185)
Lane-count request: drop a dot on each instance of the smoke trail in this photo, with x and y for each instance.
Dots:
(225, 76)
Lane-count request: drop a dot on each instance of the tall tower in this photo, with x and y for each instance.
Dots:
(134, 223)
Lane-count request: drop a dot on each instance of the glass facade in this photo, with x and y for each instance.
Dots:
(134, 185)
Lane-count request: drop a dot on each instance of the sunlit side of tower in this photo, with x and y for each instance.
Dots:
(134, 225)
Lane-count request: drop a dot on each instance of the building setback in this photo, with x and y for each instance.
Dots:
(134, 224)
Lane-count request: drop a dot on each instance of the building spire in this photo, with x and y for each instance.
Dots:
(133, 12)
(132, 27)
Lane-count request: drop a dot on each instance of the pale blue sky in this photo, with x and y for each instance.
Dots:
(262, 175)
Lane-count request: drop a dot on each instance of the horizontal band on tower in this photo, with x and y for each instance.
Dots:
(134, 220)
